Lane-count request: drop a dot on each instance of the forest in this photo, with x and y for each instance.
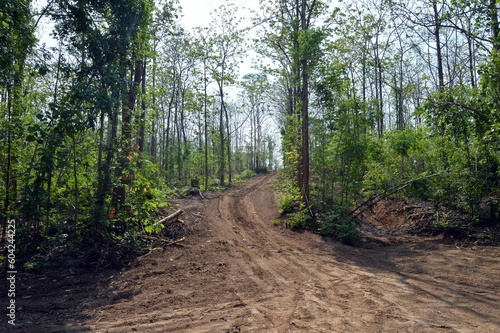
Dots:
(370, 99)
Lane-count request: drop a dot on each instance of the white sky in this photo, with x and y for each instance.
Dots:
(197, 12)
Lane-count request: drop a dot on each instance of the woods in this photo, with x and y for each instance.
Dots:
(128, 106)
(401, 96)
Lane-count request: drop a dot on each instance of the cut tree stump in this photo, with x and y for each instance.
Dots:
(195, 191)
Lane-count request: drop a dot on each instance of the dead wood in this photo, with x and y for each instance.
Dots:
(379, 196)
(171, 217)
(165, 242)
(195, 191)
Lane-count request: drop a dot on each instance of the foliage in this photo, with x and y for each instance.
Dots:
(245, 175)
(98, 131)
(337, 221)
(287, 203)
(297, 220)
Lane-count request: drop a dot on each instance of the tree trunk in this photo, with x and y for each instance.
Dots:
(128, 105)
(437, 36)
(229, 173)
(495, 28)
(156, 115)
(304, 188)
(205, 119)
(142, 119)
(221, 132)
(8, 171)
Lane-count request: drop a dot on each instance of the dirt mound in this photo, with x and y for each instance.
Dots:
(236, 272)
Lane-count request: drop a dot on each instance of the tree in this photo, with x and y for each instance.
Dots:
(16, 42)
(225, 52)
(256, 89)
(291, 33)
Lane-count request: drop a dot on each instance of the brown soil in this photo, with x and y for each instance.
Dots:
(237, 272)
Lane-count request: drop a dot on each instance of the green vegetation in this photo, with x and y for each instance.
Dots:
(372, 99)
(391, 112)
(98, 131)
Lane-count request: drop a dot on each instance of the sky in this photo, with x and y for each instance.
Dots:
(197, 12)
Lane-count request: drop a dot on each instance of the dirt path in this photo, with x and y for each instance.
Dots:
(239, 273)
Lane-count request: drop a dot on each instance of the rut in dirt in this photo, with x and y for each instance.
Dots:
(237, 272)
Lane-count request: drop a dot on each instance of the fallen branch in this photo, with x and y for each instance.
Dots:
(166, 242)
(173, 216)
(379, 196)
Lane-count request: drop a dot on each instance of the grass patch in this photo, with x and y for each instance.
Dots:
(276, 222)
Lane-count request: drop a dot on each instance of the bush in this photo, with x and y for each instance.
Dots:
(338, 222)
(347, 232)
(245, 175)
(286, 203)
(297, 220)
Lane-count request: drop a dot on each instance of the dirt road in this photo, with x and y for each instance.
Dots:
(239, 273)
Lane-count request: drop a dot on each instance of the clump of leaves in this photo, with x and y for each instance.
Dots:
(276, 222)
(286, 203)
(347, 232)
(297, 220)
(338, 222)
(246, 174)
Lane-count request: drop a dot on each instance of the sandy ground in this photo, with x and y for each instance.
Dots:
(237, 272)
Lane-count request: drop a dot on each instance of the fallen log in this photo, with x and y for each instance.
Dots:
(165, 242)
(171, 217)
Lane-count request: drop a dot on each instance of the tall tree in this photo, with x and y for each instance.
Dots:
(225, 53)
(17, 39)
(292, 33)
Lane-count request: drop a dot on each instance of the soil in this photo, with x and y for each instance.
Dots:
(236, 271)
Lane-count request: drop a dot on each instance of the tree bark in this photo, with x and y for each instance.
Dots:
(205, 119)
(221, 131)
(437, 36)
(142, 119)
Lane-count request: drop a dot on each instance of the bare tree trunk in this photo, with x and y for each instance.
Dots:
(142, 119)
(75, 179)
(8, 171)
(128, 105)
(229, 174)
(221, 132)
(205, 116)
(166, 143)
(156, 115)
(437, 36)
(305, 111)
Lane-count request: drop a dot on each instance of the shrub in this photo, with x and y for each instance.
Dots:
(247, 174)
(347, 232)
(338, 222)
(286, 203)
(297, 220)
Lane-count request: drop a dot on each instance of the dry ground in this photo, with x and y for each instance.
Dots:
(237, 272)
